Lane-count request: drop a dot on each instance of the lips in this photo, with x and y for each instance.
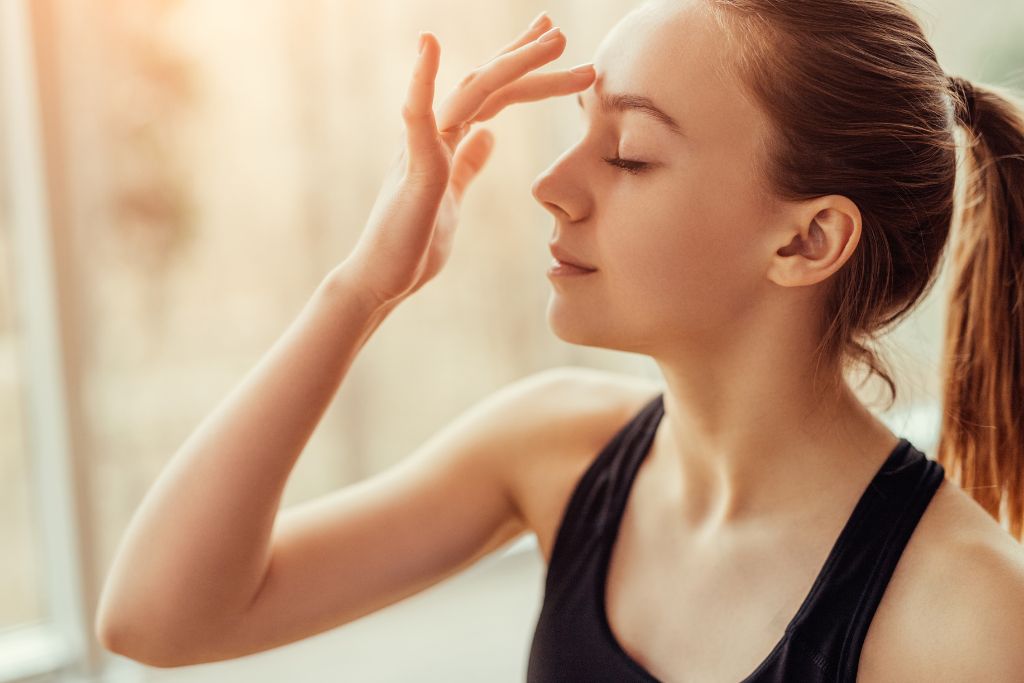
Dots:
(567, 257)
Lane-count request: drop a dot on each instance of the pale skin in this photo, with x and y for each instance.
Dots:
(697, 267)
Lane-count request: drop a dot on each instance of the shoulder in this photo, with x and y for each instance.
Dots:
(561, 419)
(557, 409)
(538, 419)
(984, 631)
(566, 408)
(981, 632)
(961, 606)
(557, 401)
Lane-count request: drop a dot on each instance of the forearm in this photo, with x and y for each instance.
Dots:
(197, 547)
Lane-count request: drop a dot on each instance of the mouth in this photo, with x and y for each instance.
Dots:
(564, 260)
(561, 268)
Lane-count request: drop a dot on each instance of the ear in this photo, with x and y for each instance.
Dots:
(818, 237)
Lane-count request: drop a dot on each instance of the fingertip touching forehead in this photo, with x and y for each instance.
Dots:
(670, 62)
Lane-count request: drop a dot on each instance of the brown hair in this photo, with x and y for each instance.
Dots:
(860, 107)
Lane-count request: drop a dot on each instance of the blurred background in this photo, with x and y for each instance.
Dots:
(178, 177)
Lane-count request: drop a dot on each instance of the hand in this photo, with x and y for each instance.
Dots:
(408, 237)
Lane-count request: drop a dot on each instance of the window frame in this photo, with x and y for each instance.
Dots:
(62, 641)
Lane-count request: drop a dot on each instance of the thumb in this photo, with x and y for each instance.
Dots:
(470, 157)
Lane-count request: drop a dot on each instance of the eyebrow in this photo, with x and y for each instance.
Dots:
(633, 102)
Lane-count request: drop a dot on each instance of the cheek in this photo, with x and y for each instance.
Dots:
(691, 260)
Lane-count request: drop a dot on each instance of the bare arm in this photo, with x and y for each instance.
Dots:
(198, 575)
(198, 546)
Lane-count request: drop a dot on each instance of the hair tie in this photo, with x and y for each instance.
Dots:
(963, 100)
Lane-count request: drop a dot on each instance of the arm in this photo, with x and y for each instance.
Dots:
(198, 576)
(979, 632)
(356, 550)
(962, 618)
(198, 546)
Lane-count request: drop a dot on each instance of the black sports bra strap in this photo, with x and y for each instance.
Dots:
(835, 618)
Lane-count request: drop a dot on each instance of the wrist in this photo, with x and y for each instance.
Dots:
(344, 281)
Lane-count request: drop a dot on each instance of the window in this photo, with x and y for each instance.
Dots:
(40, 597)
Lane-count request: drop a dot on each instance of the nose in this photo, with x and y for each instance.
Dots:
(556, 190)
(540, 192)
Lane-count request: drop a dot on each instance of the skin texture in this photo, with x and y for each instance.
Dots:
(699, 267)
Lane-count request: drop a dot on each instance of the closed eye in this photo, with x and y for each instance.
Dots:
(627, 165)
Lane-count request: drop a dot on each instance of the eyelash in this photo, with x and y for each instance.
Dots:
(631, 167)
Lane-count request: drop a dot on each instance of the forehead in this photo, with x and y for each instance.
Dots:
(676, 54)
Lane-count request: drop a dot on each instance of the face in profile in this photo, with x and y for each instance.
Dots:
(668, 207)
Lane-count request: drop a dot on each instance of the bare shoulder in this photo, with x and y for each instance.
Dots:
(979, 622)
(560, 409)
(956, 609)
(976, 614)
(964, 535)
(576, 406)
(573, 413)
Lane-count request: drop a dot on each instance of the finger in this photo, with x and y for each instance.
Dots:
(536, 87)
(464, 102)
(418, 109)
(540, 25)
(453, 136)
(469, 159)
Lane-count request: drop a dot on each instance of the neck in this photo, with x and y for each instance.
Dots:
(751, 445)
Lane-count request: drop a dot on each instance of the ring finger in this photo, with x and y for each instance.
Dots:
(462, 103)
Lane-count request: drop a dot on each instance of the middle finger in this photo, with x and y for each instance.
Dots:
(466, 99)
(539, 26)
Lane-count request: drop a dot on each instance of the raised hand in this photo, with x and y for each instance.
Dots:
(408, 237)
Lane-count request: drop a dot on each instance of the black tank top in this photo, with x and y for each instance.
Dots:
(573, 641)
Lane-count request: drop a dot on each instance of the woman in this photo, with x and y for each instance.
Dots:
(760, 187)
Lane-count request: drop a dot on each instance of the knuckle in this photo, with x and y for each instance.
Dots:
(491, 106)
(486, 114)
(469, 78)
(486, 89)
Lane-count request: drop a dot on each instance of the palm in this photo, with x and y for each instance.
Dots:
(441, 239)
(409, 236)
(444, 231)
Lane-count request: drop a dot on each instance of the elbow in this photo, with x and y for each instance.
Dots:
(132, 642)
(154, 635)
(105, 629)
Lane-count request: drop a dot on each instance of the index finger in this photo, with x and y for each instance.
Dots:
(535, 87)
(541, 24)
(465, 101)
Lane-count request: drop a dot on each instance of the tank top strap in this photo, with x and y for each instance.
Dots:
(834, 618)
(599, 497)
(821, 643)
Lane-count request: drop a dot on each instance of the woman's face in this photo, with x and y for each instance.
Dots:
(679, 247)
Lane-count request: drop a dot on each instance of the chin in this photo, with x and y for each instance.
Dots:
(582, 327)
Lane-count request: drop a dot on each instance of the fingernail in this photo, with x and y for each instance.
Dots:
(423, 42)
(539, 20)
(550, 35)
(583, 68)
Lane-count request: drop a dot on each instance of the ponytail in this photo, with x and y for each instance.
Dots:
(981, 439)
(869, 117)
